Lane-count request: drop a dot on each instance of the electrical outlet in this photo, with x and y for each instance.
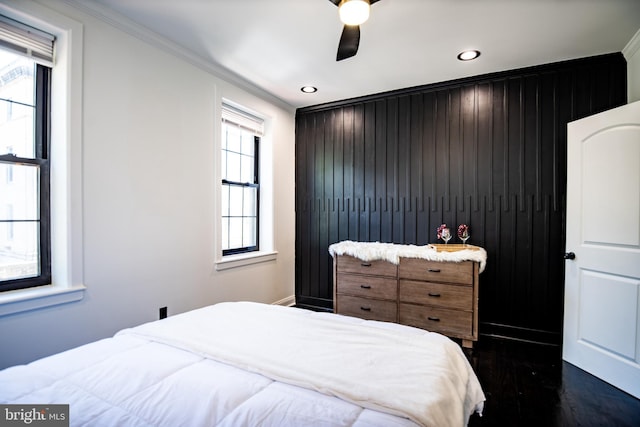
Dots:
(163, 312)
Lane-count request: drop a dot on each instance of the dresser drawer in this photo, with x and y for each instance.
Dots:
(447, 272)
(367, 308)
(446, 321)
(367, 286)
(456, 297)
(349, 264)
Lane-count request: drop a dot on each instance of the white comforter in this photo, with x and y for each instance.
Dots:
(247, 364)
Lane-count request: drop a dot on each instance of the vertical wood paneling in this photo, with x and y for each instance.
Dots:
(488, 151)
(484, 146)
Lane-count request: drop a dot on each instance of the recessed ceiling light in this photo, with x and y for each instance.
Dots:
(309, 89)
(468, 55)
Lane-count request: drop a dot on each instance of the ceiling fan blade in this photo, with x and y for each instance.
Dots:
(349, 41)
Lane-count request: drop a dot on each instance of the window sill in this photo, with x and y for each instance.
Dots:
(12, 302)
(233, 261)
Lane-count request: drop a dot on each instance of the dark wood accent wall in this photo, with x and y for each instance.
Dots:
(488, 151)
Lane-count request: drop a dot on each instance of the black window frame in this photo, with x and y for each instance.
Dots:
(42, 140)
(255, 184)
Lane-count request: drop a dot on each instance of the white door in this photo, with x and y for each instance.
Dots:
(602, 282)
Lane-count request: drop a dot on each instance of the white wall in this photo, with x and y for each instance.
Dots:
(632, 55)
(149, 184)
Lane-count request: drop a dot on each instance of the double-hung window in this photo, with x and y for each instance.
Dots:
(240, 173)
(25, 80)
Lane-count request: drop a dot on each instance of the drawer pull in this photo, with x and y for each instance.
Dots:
(365, 264)
(365, 286)
(432, 294)
(433, 270)
(365, 308)
(434, 319)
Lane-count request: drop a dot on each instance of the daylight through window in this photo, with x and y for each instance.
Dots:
(24, 160)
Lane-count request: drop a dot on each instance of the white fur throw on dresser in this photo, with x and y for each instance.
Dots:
(391, 252)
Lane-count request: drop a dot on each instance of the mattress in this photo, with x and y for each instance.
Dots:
(250, 364)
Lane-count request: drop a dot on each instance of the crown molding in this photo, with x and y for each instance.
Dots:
(633, 46)
(140, 32)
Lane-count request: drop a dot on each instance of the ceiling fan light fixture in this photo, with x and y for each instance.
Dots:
(354, 12)
(468, 55)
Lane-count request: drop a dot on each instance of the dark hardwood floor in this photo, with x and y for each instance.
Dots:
(529, 385)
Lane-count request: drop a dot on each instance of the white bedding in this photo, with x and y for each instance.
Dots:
(248, 364)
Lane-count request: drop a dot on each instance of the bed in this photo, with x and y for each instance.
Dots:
(250, 364)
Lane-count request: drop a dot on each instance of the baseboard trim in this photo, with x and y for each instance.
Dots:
(522, 340)
(314, 308)
(287, 302)
(322, 304)
(517, 333)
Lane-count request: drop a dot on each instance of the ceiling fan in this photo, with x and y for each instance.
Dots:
(352, 14)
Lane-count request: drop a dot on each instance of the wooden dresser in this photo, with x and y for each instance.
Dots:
(433, 295)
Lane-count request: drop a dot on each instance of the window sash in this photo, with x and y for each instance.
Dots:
(242, 218)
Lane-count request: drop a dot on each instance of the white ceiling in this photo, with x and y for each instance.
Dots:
(281, 45)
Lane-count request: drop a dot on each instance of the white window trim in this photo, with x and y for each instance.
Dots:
(240, 260)
(66, 160)
(267, 251)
